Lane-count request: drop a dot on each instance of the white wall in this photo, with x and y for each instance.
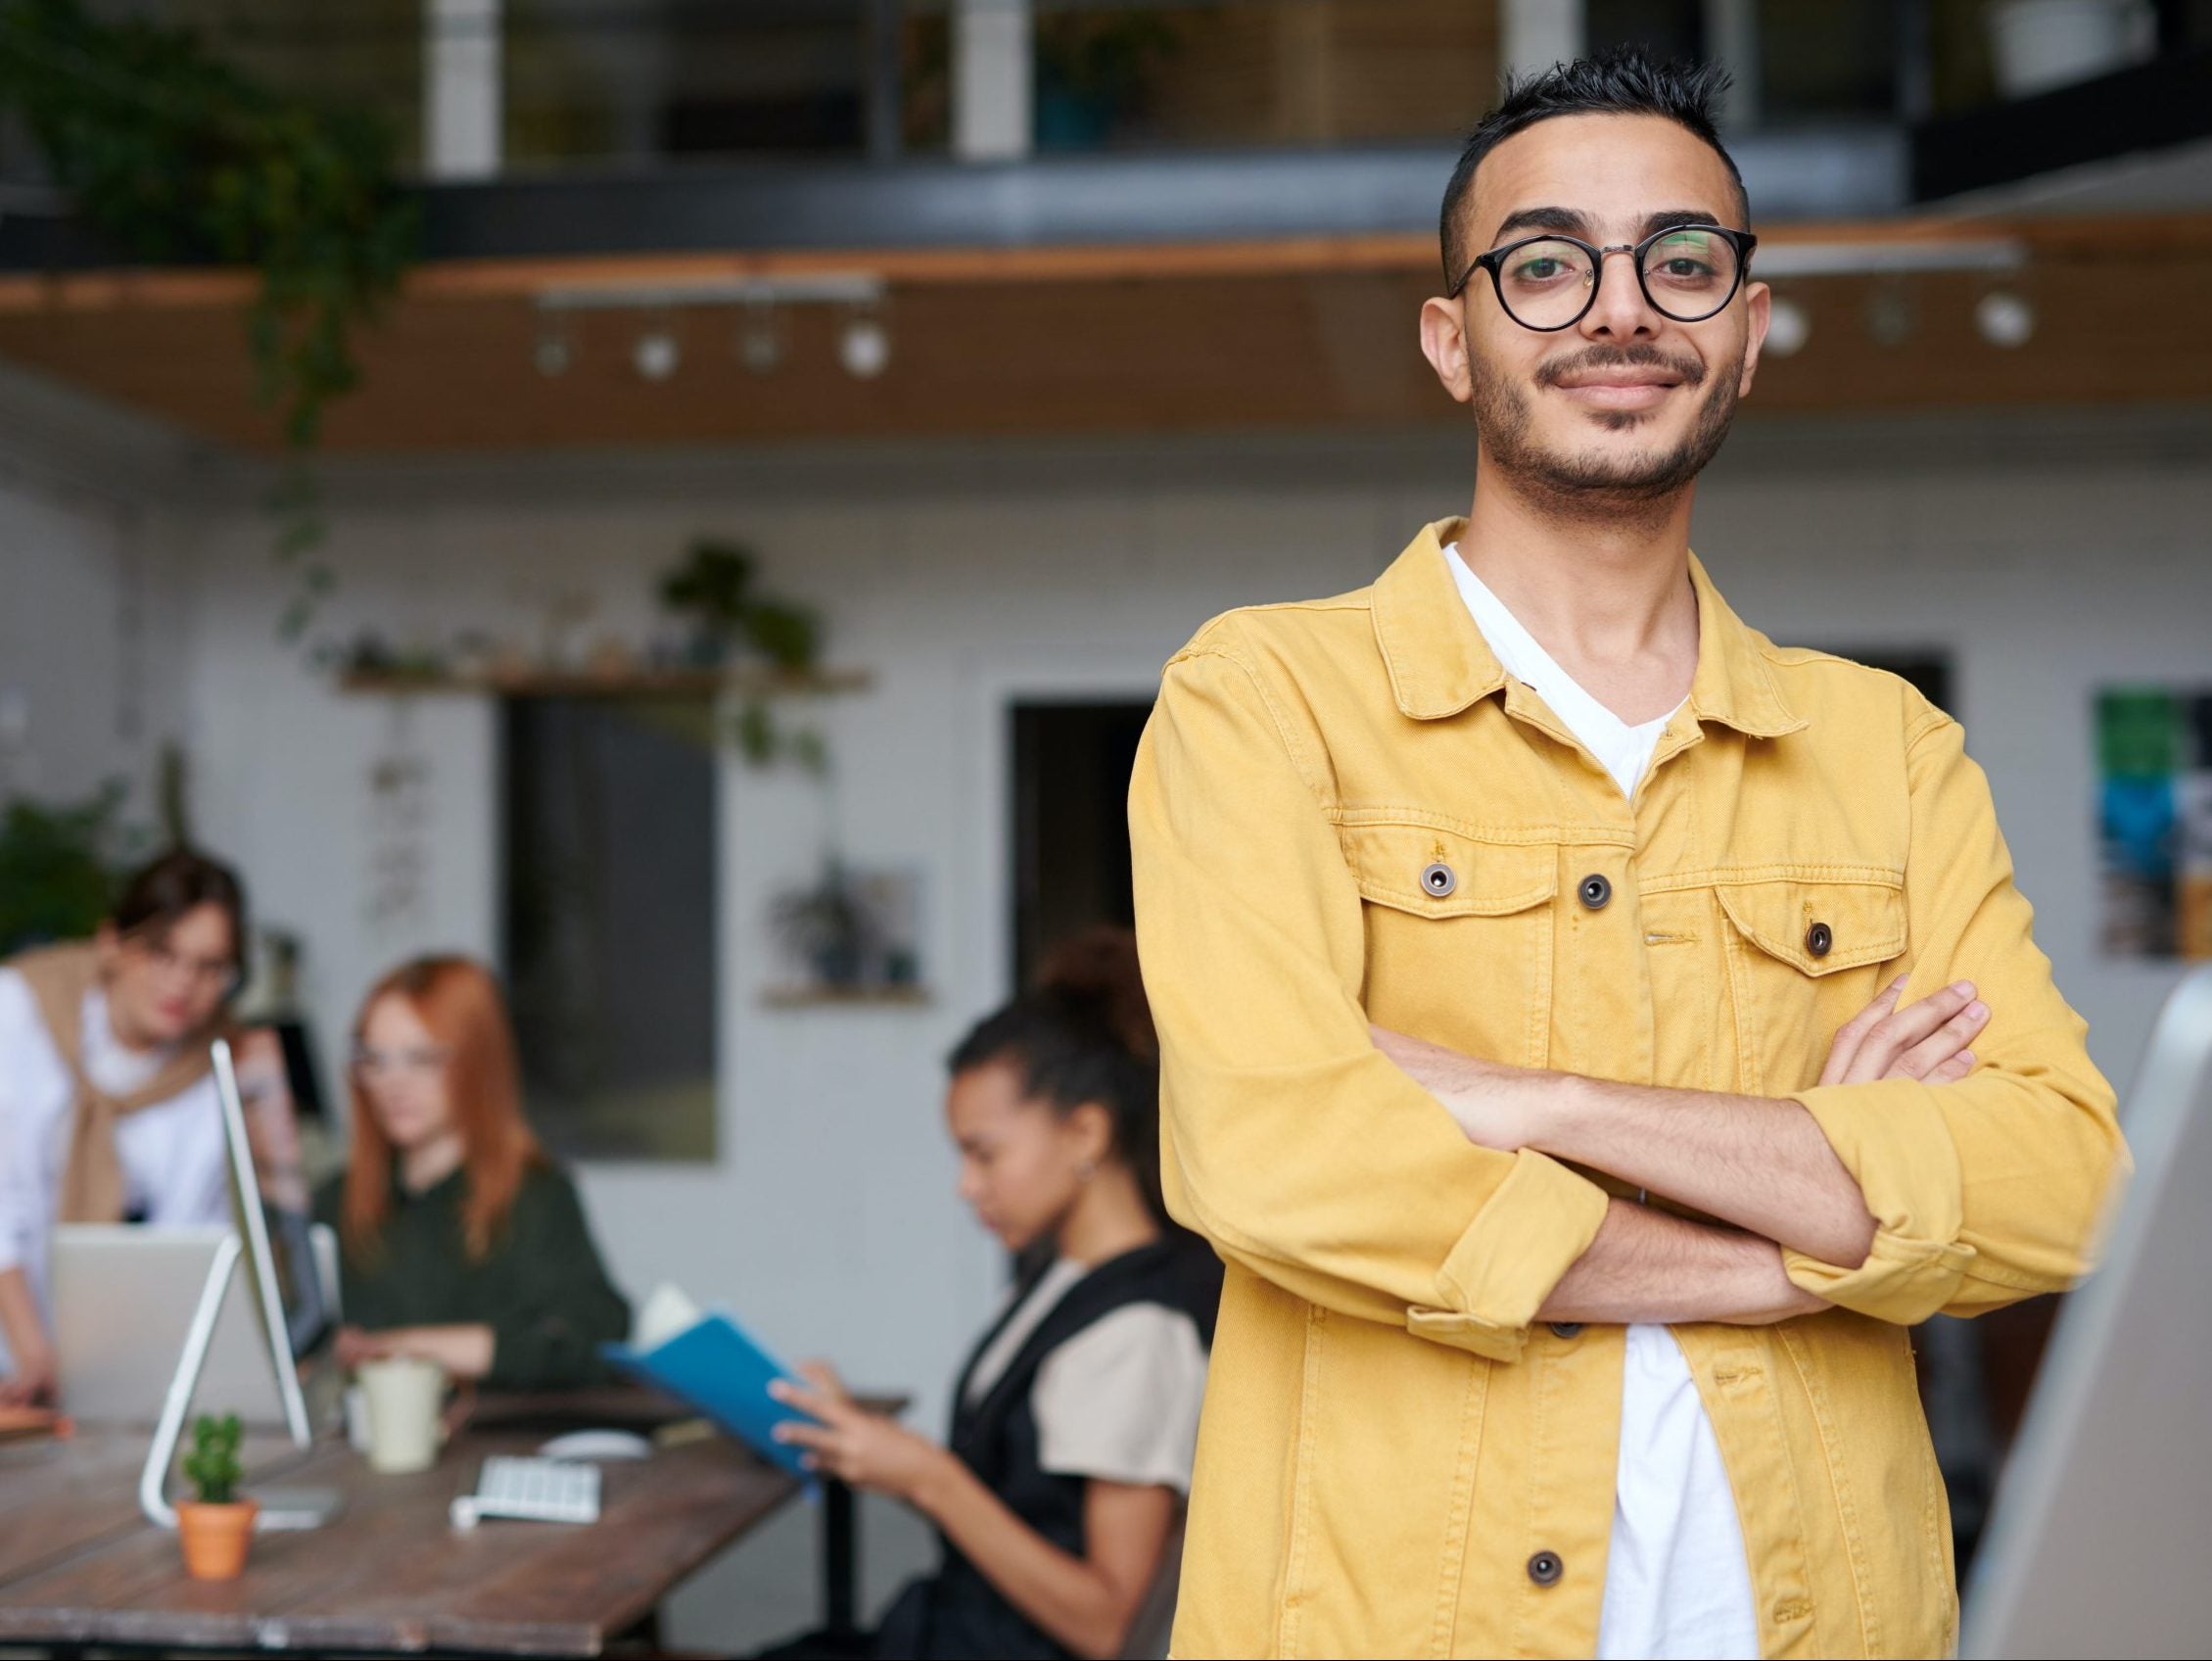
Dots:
(90, 677)
(2045, 556)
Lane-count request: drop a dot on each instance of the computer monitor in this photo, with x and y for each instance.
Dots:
(2096, 1544)
(291, 1313)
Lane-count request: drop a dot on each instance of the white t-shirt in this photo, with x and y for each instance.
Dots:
(1676, 1581)
(171, 1153)
(1119, 1400)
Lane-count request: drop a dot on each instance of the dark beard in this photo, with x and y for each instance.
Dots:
(1590, 486)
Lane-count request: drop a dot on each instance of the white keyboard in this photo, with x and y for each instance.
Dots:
(539, 1491)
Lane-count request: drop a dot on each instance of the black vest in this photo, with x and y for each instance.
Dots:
(957, 1612)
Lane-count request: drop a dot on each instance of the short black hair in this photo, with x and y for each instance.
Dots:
(1624, 82)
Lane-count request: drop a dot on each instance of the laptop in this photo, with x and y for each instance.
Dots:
(123, 1301)
(2097, 1539)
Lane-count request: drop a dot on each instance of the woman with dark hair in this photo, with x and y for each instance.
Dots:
(460, 1240)
(108, 1108)
(1058, 1498)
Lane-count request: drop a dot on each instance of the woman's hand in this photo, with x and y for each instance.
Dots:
(823, 1377)
(1926, 1040)
(465, 1351)
(353, 1345)
(855, 1445)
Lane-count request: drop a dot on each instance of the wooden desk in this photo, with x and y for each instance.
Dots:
(78, 1566)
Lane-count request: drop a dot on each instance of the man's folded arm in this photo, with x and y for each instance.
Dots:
(1287, 1139)
(1991, 1189)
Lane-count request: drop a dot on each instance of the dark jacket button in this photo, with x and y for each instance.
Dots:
(1545, 1568)
(1439, 880)
(1819, 938)
(1567, 1329)
(1595, 891)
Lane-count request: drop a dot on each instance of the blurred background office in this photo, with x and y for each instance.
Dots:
(789, 434)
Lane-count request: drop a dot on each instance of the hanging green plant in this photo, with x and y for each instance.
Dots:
(177, 157)
(714, 589)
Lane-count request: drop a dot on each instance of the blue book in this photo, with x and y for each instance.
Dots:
(709, 1363)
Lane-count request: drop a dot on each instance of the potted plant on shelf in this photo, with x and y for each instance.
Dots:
(826, 928)
(217, 1528)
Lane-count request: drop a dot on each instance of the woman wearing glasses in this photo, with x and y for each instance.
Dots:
(108, 1109)
(460, 1240)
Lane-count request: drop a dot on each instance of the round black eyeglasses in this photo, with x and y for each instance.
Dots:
(1687, 273)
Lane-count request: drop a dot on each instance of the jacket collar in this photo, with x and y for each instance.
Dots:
(1440, 664)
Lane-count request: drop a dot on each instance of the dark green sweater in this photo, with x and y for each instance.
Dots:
(541, 1288)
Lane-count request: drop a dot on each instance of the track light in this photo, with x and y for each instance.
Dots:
(554, 354)
(2005, 318)
(1788, 327)
(863, 346)
(759, 344)
(656, 353)
(1889, 313)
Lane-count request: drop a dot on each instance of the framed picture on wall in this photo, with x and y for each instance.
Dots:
(2154, 821)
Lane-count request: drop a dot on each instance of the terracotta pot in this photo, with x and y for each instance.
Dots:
(215, 1537)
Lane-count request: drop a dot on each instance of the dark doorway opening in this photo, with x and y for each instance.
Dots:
(1071, 765)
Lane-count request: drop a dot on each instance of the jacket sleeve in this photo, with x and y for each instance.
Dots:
(1287, 1139)
(1991, 1189)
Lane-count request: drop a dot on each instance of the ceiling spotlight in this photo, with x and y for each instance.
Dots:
(865, 346)
(1889, 313)
(1788, 327)
(2004, 318)
(759, 344)
(656, 353)
(553, 354)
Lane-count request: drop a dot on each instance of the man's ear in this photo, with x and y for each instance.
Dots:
(1443, 342)
(1759, 303)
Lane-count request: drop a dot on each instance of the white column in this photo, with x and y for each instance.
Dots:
(992, 79)
(1731, 36)
(1534, 34)
(462, 92)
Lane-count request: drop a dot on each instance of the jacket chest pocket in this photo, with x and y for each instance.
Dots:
(1804, 957)
(1459, 936)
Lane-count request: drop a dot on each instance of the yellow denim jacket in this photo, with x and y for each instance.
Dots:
(1394, 1459)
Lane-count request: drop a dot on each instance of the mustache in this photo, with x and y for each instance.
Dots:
(1688, 371)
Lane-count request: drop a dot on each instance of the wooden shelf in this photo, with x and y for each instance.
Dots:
(630, 683)
(829, 997)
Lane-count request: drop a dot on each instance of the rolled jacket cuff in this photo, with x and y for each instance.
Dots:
(1526, 1237)
(1892, 1137)
(1901, 1281)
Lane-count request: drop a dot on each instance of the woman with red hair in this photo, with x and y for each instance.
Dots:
(461, 1242)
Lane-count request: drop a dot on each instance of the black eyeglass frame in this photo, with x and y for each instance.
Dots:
(1742, 241)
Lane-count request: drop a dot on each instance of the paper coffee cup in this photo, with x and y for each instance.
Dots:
(405, 1397)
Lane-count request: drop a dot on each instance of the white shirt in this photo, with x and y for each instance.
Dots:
(1119, 1400)
(171, 1153)
(1676, 1581)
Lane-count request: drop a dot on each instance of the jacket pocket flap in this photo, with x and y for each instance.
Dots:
(1431, 873)
(1819, 926)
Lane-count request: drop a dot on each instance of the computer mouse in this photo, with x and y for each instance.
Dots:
(590, 1446)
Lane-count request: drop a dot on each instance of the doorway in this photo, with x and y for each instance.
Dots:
(1071, 830)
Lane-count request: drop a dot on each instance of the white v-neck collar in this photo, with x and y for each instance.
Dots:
(1624, 751)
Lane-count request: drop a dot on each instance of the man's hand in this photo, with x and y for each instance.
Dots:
(1493, 1103)
(1927, 1040)
(1508, 1108)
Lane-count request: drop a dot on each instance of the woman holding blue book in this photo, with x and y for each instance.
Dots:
(1058, 1497)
